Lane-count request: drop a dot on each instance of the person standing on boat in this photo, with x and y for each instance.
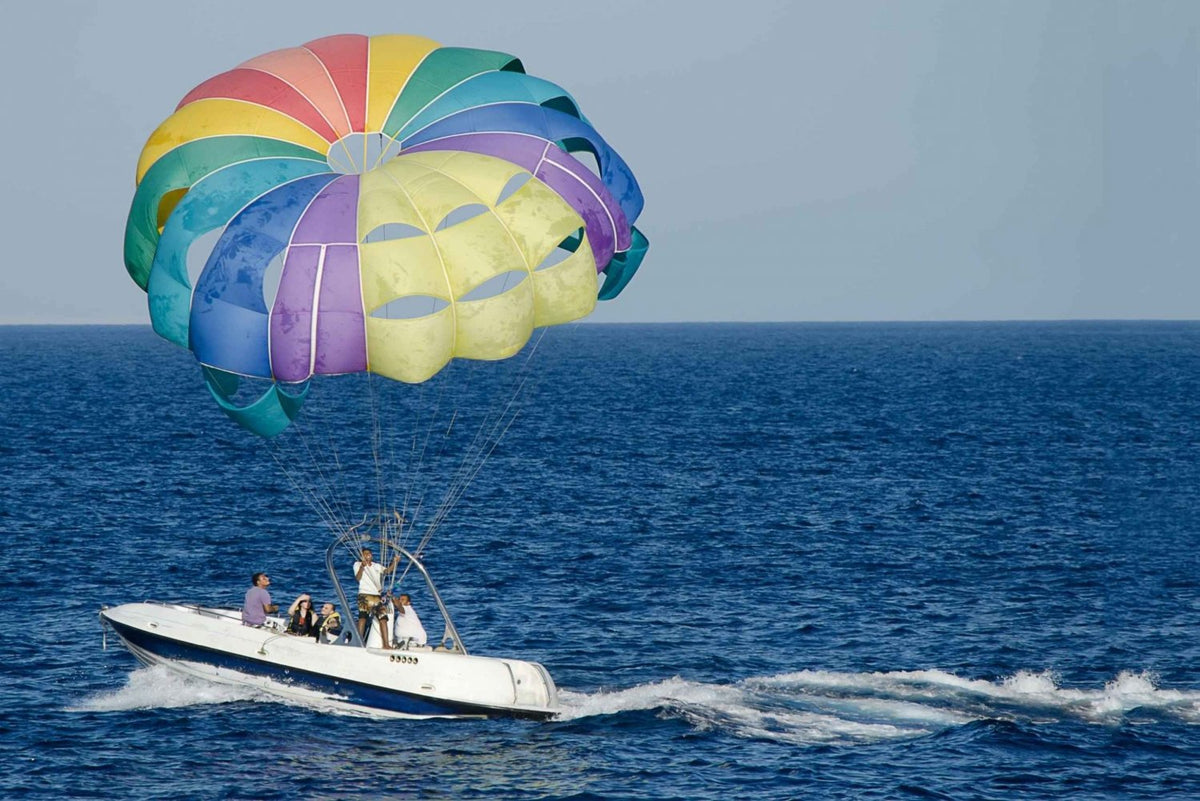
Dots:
(408, 624)
(258, 604)
(369, 575)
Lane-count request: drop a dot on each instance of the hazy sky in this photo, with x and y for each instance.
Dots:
(905, 160)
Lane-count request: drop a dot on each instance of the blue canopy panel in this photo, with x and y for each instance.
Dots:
(230, 320)
(208, 205)
(489, 88)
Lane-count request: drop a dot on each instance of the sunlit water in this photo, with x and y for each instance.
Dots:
(804, 561)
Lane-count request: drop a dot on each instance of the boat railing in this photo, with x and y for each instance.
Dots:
(206, 611)
(450, 640)
(228, 614)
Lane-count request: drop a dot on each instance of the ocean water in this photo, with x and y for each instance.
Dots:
(950, 561)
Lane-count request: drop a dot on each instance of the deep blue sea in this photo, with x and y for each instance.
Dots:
(857, 561)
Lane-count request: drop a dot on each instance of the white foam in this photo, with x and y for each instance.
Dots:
(1130, 691)
(800, 708)
(808, 707)
(744, 711)
(806, 727)
(159, 688)
(1023, 683)
(643, 696)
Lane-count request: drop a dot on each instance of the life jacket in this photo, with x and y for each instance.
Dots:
(332, 623)
(302, 623)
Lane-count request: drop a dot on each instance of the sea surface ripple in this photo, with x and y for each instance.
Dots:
(859, 561)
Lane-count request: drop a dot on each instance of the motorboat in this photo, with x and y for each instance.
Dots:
(350, 674)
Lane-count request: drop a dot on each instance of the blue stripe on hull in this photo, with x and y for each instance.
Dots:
(347, 691)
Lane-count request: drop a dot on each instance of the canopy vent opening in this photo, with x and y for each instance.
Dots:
(563, 251)
(391, 231)
(496, 285)
(357, 153)
(198, 253)
(583, 152)
(271, 278)
(167, 205)
(461, 215)
(410, 307)
(510, 188)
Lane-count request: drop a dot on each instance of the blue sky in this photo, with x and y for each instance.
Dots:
(864, 160)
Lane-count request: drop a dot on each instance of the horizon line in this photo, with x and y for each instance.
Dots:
(873, 321)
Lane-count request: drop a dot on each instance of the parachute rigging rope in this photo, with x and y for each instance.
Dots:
(376, 436)
(401, 498)
(482, 446)
(417, 454)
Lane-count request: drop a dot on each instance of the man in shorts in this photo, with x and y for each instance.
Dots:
(369, 575)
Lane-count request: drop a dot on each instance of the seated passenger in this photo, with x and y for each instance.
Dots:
(330, 625)
(302, 620)
(408, 624)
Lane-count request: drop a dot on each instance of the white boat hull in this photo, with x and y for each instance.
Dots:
(422, 682)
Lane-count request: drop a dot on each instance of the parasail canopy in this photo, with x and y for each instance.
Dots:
(373, 204)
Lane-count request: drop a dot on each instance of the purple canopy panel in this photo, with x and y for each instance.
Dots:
(607, 227)
(588, 195)
(332, 217)
(291, 314)
(324, 244)
(341, 332)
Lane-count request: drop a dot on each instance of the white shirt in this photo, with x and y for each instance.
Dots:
(408, 625)
(371, 582)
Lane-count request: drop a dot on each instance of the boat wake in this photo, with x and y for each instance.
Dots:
(800, 708)
(824, 707)
(159, 688)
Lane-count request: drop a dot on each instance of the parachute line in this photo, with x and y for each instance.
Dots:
(485, 442)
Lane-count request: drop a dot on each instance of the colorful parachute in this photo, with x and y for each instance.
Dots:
(376, 204)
